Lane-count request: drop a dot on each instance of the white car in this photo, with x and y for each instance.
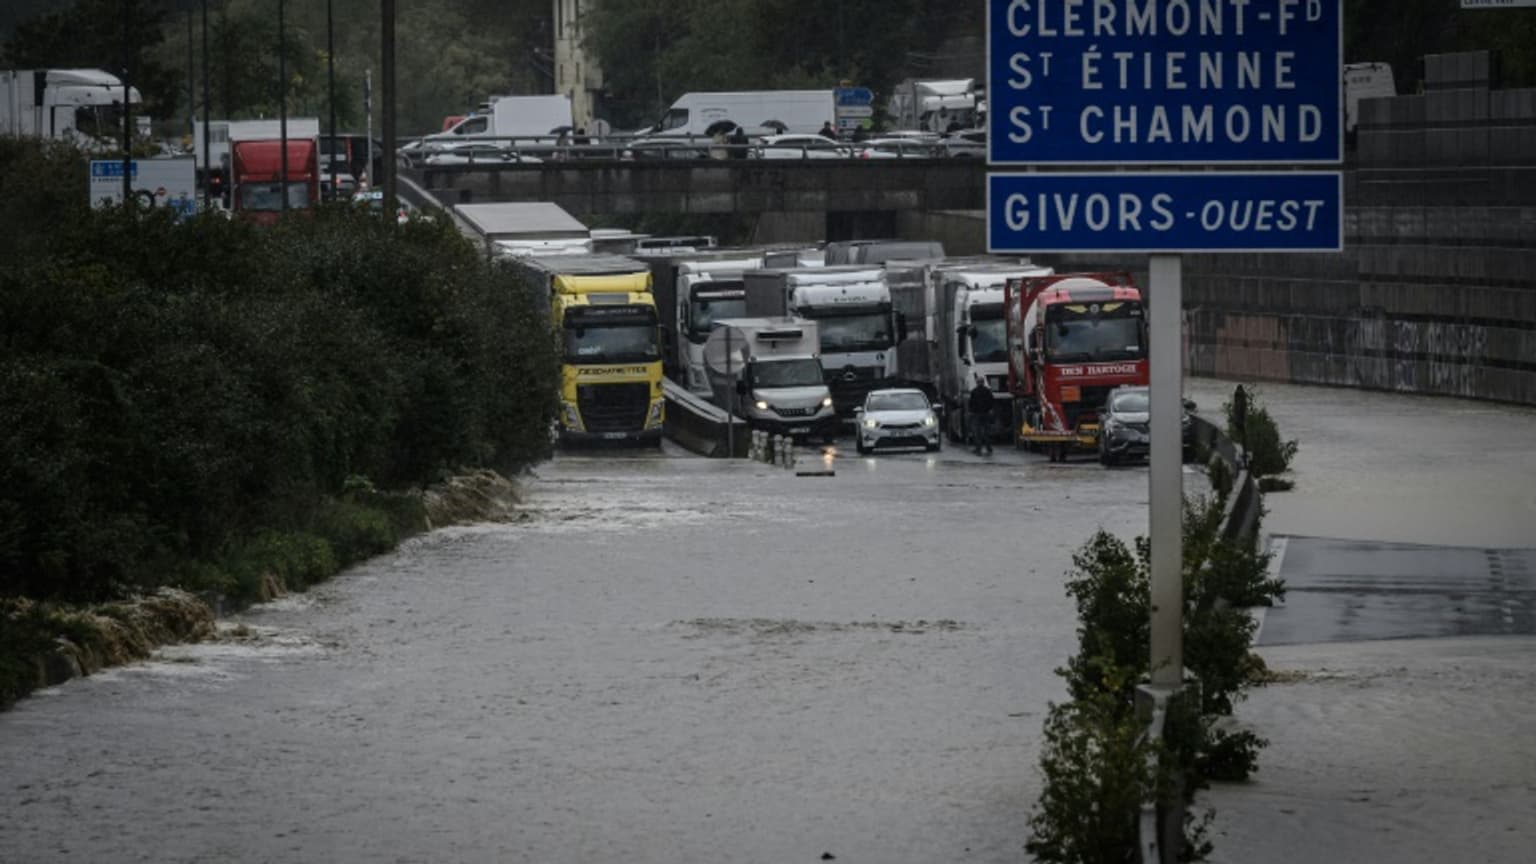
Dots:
(896, 148)
(473, 152)
(896, 418)
(800, 147)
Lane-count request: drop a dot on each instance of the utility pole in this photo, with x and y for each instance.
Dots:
(128, 103)
(387, 58)
(207, 175)
(191, 79)
(330, 77)
(282, 106)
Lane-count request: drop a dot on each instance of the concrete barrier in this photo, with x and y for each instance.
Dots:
(1161, 824)
(701, 426)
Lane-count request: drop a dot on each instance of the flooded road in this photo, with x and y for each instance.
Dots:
(675, 660)
(668, 660)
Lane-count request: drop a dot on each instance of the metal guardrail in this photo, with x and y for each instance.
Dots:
(1160, 826)
(538, 150)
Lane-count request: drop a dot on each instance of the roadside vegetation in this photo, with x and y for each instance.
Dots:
(217, 408)
(1099, 766)
(1269, 455)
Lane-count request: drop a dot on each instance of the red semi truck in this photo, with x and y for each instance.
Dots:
(1072, 338)
(256, 169)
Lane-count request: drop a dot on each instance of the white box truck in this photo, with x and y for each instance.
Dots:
(767, 370)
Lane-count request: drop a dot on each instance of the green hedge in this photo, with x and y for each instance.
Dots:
(172, 395)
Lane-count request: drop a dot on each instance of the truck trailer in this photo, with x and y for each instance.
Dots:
(515, 229)
(260, 187)
(604, 318)
(956, 330)
(1072, 338)
(767, 370)
(858, 326)
(693, 289)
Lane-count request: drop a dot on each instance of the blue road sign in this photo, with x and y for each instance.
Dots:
(113, 168)
(1165, 81)
(855, 96)
(1166, 212)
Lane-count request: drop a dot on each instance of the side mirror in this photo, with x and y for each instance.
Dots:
(858, 411)
(741, 388)
(901, 326)
(1189, 405)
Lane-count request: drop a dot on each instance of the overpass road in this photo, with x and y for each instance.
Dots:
(674, 659)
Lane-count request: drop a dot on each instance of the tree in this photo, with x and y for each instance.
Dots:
(90, 34)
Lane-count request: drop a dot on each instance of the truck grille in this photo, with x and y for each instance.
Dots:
(849, 386)
(613, 407)
(1088, 409)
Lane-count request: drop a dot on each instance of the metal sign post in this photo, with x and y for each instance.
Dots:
(1166, 469)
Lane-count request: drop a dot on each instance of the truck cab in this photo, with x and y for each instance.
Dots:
(1072, 338)
(82, 106)
(604, 316)
(767, 370)
(708, 291)
(852, 307)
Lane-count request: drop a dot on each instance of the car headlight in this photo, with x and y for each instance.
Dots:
(827, 402)
(930, 421)
(761, 405)
(871, 423)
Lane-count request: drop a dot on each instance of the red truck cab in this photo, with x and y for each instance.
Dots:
(256, 169)
(1072, 338)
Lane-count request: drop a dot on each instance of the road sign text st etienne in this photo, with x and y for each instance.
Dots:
(1165, 81)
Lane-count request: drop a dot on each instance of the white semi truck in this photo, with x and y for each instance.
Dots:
(82, 106)
(956, 307)
(768, 371)
(852, 306)
(694, 288)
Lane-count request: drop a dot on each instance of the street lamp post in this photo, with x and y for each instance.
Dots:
(330, 74)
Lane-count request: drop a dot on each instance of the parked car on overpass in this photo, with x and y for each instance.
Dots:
(799, 147)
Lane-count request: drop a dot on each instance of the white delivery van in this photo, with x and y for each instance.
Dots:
(759, 112)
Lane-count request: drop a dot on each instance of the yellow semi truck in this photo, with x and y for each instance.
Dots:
(604, 316)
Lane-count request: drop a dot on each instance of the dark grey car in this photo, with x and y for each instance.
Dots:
(1124, 432)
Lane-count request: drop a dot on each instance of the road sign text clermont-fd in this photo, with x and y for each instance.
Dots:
(1165, 81)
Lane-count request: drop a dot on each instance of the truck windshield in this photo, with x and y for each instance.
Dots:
(804, 372)
(702, 313)
(621, 338)
(1074, 333)
(268, 196)
(865, 331)
(989, 338)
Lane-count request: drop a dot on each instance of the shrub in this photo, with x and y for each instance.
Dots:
(1258, 433)
(174, 394)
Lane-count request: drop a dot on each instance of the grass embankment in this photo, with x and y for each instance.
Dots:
(228, 411)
